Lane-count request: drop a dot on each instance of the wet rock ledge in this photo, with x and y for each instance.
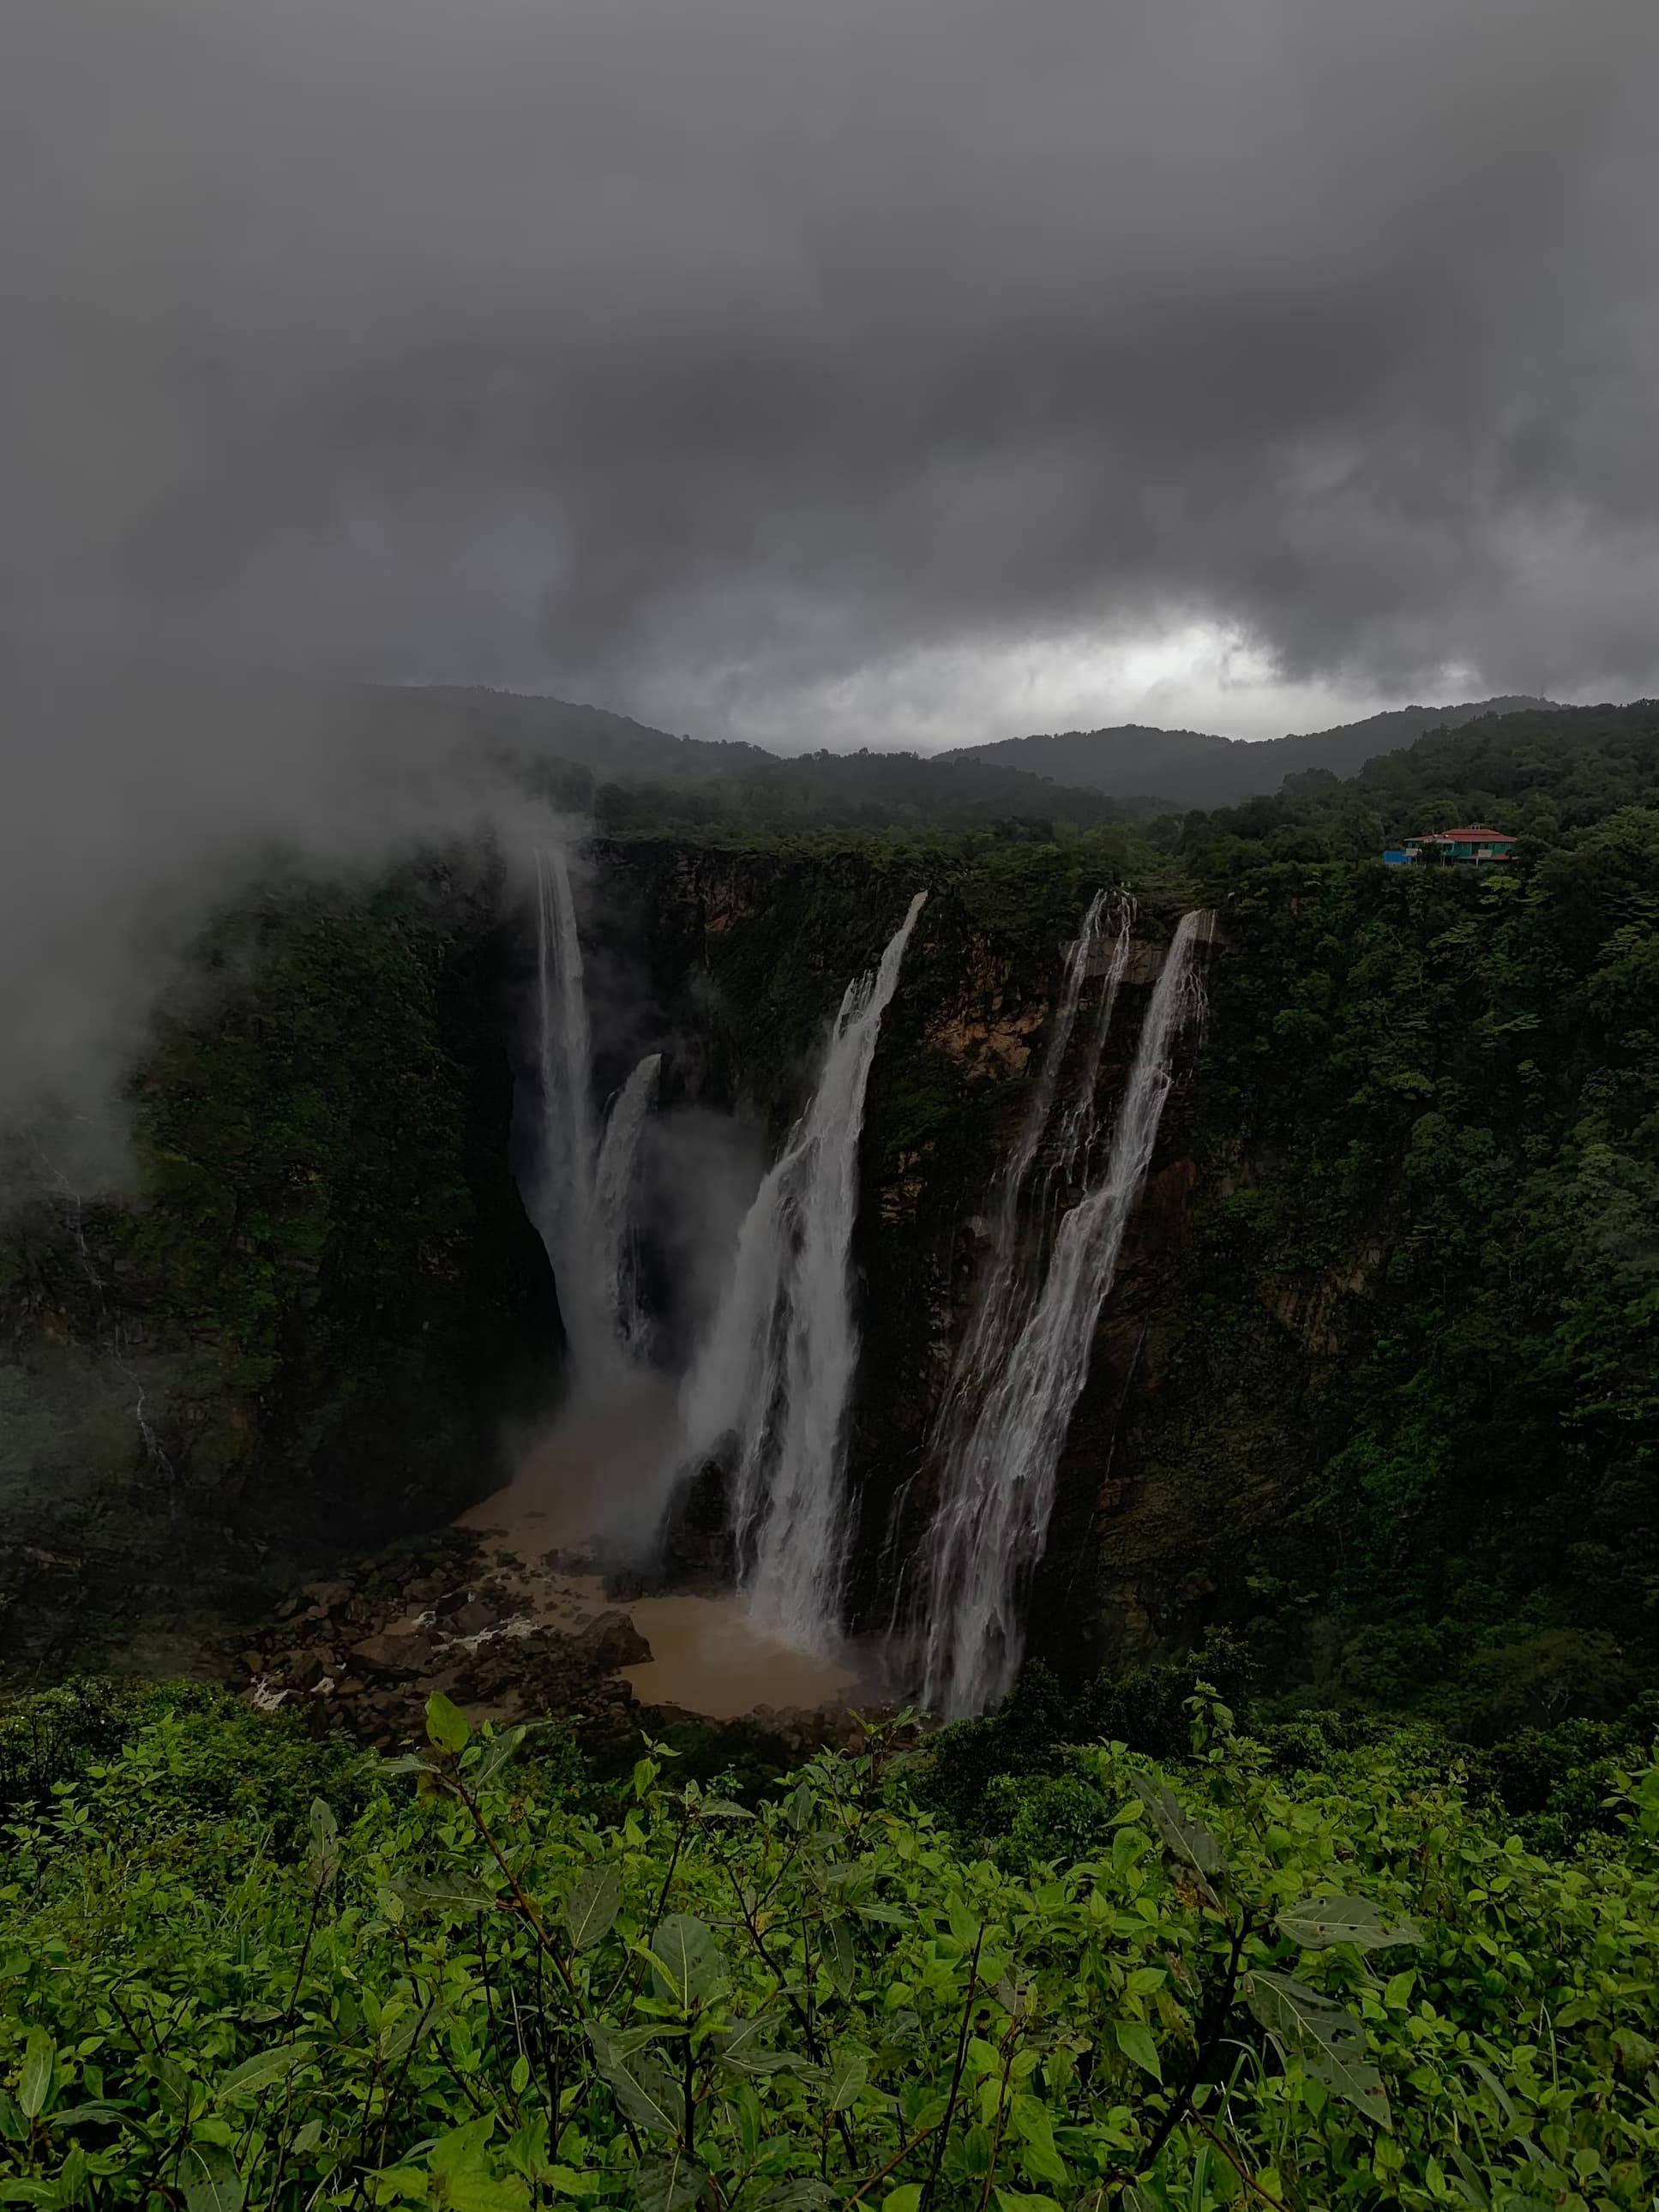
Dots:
(509, 1640)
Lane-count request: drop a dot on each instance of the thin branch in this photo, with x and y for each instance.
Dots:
(931, 2182)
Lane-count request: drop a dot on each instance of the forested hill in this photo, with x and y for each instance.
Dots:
(1194, 769)
(1546, 775)
(626, 775)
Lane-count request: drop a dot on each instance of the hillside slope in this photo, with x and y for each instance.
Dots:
(1193, 768)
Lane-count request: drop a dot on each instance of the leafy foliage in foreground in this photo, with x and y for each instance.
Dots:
(494, 1990)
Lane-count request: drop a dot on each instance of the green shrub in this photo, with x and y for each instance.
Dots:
(478, 1996)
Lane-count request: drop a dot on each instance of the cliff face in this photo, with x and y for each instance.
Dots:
(306, 1321)
(752, 952)
(1375, 1338)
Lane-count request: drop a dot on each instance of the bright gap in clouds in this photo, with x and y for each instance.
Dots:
(1198, 676)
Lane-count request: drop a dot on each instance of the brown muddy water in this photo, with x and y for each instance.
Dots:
(598, 1476)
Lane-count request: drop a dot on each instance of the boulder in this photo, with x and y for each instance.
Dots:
(306, 1667)
(387, 1653)
(472, 1618)
(327, 1597)
(612, 1641)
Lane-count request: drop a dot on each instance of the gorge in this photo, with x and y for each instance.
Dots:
(900, 1219)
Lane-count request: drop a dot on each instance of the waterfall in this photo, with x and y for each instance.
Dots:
(1005, 1288)
(997, 1486)
(769, 1390)
(613, 1188)
(584, 1186)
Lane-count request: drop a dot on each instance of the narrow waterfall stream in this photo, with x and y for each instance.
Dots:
(769, 1392)
(997, 1485)
(585, 1185)
(564, 1207)
(613, 1191)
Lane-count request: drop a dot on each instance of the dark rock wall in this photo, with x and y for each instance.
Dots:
(309, 1318)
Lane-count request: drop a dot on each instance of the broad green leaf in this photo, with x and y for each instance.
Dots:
(71, 2179)
(462, 2147)
(1187, 1843)
(798, 1809)
(1045, 2163)
(474, 2189)
(839, 1956)
(804, 2193)
(324, 1845)
(744, 2049)
(592, 1905)
(461, 2177)
(723, 1809)
(308, 2137)
(1327, 2039)
(447, 1725)
(13, 2125)
(1015, 2200)
(906, 2199)
(687, 1960)
(211, 2181)
(412, 2026)
(260, 2071)
(644, 2089)
(1136, 2040)
(454, 1890)
(28, 2192)
(34, 2077)
(569, 2183)
(496, 1753)
(846, 2080)
(668, 2184)
(752, 2059)
(395, 2182)
(1315, 1923)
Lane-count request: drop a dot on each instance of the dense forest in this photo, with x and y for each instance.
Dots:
(1312, 1861)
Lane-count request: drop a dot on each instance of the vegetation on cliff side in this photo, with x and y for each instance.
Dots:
(1430, 1114)
(309, 1314)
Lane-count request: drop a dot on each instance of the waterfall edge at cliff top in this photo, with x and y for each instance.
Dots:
(997, 1488)
(768, 1394)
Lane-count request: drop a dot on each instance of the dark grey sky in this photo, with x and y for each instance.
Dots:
(880, 368)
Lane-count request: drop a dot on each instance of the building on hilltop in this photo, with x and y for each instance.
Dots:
(1476, 847)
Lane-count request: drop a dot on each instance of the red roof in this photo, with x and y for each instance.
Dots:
(1467, 838)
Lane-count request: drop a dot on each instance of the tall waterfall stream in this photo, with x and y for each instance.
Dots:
(769, 1389)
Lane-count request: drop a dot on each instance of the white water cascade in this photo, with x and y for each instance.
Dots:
(585, 1185)
(768, 1393)
(997, 1486)
(1006, 1287)
(613, 1190)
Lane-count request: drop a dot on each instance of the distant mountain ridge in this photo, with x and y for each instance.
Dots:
(1080, 776)
(1192, 768)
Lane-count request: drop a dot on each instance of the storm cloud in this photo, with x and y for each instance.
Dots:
(748, 354)
(862, 370)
